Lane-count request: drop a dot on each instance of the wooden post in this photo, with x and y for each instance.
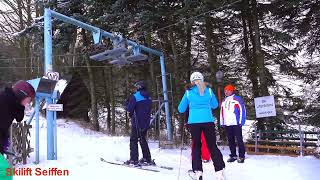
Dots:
(301, 141)
(24, 142)
(256, 140)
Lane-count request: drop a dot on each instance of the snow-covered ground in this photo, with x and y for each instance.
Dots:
(79, 152)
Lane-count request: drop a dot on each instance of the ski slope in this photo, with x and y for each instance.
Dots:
(79, 152)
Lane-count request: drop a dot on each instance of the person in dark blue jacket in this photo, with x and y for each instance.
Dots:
(139, 107)
(201, 100)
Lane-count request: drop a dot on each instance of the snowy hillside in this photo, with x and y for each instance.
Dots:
(79, 152)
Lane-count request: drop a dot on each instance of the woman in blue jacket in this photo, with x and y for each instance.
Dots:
(201, 100)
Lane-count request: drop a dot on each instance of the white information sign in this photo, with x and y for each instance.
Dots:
(55, 107)
(265, 106)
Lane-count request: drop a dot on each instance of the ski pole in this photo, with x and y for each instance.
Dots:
(137, 126)
(182, 143)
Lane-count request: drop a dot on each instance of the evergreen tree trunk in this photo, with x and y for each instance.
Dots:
(188, 55)
(113, 104)
(72, 50)
(151, 67)
(29, 16)
(107, 97)
(28, 43)
(22, 39)
(213, 61)
(176, 76)
(258, 50)
(258, 56)
(212, 55)
(127, 126)
(108, 90)
(250, 63)
(94, 108)
(39, 9)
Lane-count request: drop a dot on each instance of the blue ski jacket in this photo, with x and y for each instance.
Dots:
(139, 107)
(200, 107)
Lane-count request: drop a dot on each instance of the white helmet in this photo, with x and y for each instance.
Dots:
(196, 76)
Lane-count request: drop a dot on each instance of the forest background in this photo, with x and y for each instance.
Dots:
(263, 47)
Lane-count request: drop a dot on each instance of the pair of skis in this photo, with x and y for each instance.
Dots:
(145, 168)
(142, 167)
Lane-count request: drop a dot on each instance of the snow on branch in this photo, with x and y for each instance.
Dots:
(37, 23)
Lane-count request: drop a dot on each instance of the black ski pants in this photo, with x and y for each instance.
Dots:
(139, 136)
(209, 133)
(233, 133)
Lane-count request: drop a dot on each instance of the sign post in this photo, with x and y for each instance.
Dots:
(265, 106)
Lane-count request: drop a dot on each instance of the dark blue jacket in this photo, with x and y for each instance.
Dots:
(139, 107)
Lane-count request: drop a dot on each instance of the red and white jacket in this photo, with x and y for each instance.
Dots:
(233, 111)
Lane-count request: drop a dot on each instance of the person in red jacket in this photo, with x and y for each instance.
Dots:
(205, 153)
(204, 149)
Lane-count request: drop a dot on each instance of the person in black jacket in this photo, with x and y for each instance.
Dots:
(12, 104)
(139, 107)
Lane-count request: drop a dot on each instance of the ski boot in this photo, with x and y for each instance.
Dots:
(240, 160)
(195, 175)
(131, 163)
(220, 175)
(145, 162)
(232, 159)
